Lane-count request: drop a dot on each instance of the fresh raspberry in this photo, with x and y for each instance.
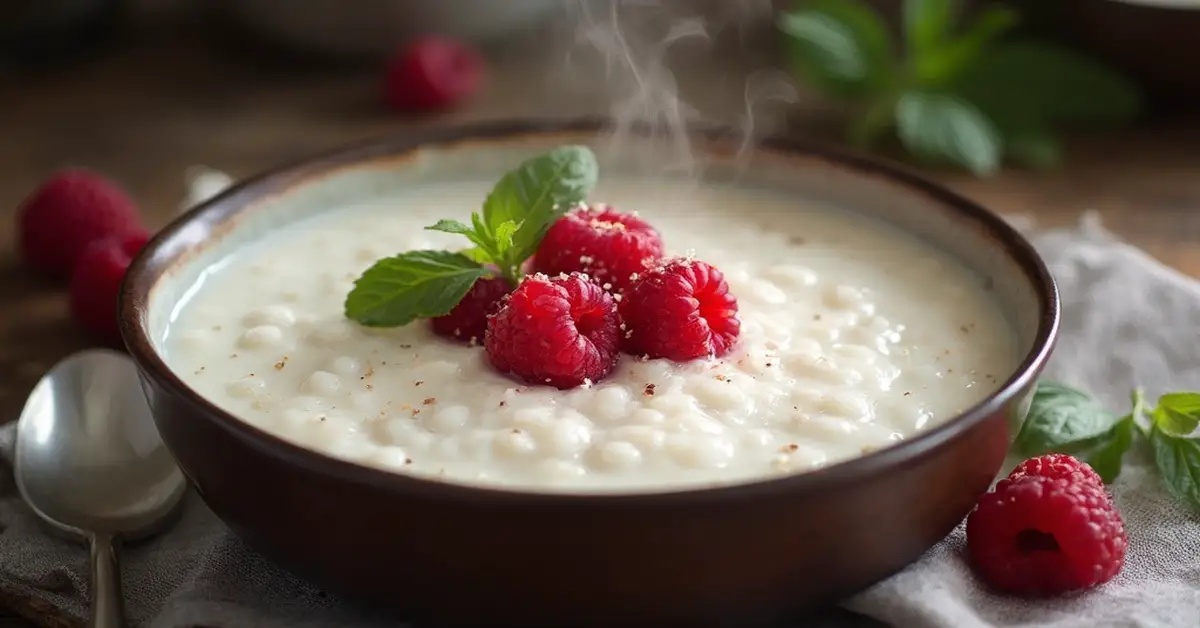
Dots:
(1058, 467)
(680, 310)
(563, 331)
(607, 245)
(67, 213)
(96, 283)
(432, 73)
(1040, 536)
(468, 320)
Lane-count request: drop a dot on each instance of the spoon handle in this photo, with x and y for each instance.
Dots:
(108, 600)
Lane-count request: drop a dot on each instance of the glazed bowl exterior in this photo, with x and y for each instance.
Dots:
(467, 555)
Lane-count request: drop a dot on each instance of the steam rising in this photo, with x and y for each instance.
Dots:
(639, 42)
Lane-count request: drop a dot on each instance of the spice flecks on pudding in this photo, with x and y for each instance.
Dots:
(845, 343)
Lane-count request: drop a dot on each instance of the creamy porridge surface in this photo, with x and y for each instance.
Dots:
(854, 336)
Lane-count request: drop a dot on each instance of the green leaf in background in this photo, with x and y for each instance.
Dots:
(926, 24)
(1105, 453)
(943, 128)
(942, 66)
(418, 284)
(1177, 414)
(961, 94)
(879, 118)
(1178, 461)
(841, 45)
(1055, 84)
(1032, 146)
(1060, 415)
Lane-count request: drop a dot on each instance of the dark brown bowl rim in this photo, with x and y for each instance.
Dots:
(143, 274)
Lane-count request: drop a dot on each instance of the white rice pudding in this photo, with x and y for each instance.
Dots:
(854, 336)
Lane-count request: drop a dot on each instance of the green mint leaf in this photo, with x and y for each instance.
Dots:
(1178, 461)
(1054, 83)
(485, 251)
(534, 195)
(450, 226)
(926, 24)
(1060, 416)
(943, 128)
(477, 254)
(941, 67)
(1106, 452)
(1177, 414)
(840, 45)
(505, 233)
(417, 284)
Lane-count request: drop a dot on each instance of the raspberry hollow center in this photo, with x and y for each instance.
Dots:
(1030, 541)
(589, 321)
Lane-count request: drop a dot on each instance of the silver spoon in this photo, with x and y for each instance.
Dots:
(89, 461)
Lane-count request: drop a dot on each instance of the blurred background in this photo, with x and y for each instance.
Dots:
(1034, 108)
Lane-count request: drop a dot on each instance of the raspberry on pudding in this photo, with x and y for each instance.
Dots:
(607, 245)
(468, 320)
(680, 310)
(563, 331)
(853, 338)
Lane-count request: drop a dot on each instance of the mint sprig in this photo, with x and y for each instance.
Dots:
(959, 93)
(1062, 419)
(515, 216)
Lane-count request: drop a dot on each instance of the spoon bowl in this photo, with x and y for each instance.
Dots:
(89, 461)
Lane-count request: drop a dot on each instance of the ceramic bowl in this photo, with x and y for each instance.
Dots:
(455, 554)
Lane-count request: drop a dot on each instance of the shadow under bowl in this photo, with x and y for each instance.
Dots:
(455, 554)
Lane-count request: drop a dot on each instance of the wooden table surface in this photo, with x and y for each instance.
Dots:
(171, 97)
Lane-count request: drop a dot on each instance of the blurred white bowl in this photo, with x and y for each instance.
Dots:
(376, 27)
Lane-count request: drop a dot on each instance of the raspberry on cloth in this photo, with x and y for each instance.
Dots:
(72, 209)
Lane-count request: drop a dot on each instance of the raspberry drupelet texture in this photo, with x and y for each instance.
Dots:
(680, 310)
(1059, 467)
(96, 283)
(608, 245)
(468, 320)
(71, 210)
(1040, 536)
(562, 331)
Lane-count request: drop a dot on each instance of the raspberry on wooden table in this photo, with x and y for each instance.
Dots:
(72, 209)
(562, 331)
(1041, 536)
(469, 319)
(680, 310)
(96, 283)
(608, 245)
(1059, 467)
(432, 73)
